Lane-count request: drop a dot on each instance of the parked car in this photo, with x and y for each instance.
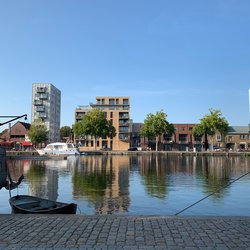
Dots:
(133, 149)
(217, 149)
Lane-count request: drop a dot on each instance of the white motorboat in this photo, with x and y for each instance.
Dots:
(59, 148)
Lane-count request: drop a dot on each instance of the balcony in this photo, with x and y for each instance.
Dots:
(41, 89)
(123, 123)
(123, 115)
(123, 129)
(42, 115)
(40, 108)
(38, 102)
(44, 96)
(124, 137)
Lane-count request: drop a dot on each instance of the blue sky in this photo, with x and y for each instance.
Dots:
(179, 56)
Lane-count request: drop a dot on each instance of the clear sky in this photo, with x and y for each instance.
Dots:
(179, 56)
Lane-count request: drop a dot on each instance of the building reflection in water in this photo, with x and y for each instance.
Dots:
(104, 181)
(43, 180)
(121, 184)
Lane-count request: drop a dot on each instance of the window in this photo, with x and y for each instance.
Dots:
(182, 137)
(125, 101)
(111, 114)
(111, 101)
(167, 138)
(218, 137)
(197, 138)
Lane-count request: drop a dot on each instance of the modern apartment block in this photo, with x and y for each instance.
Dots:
(117, 109)
(46, 107)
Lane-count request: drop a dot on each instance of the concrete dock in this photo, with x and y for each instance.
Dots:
(123, 232)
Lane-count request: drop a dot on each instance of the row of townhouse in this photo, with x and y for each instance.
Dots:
(237, 139)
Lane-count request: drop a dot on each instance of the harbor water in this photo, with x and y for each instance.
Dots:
(138, 184)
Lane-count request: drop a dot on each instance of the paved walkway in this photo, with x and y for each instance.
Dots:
(120, 232)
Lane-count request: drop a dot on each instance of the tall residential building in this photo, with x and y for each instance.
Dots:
(46, 107)
(117, 109)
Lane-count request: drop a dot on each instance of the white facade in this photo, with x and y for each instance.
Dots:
(46, 107)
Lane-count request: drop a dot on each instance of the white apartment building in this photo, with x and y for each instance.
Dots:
(46, 107)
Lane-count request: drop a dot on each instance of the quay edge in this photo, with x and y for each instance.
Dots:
(35, 155)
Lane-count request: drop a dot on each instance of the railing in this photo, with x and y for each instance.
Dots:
(44, 96)
(38, 102)
(41, 89)
(40, 108)
(42, 115)
(123, 137)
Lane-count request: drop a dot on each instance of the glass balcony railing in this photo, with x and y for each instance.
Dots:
(41, 89)
(42, 115)
(44, 96)
(124, 137)
(40, 108)
(38, 102)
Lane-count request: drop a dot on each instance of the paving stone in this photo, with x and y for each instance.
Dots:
(123, 232)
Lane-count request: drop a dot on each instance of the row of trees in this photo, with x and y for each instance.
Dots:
(156, 125)
(94, 123)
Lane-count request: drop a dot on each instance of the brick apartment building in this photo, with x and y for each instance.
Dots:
(117, 109)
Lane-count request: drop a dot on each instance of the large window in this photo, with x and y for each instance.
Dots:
(111, 101)
(183, 138)
(125, 101)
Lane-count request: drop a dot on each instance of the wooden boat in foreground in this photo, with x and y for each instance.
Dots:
(26, 204)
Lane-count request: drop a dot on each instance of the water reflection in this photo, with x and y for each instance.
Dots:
(146, 184)
(43, 182)
(104, 181)
(155, 175)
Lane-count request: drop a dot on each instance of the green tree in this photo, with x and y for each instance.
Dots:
(210, 124)
(65, 132)
(94, 123)
(156, 125)
(38, 133)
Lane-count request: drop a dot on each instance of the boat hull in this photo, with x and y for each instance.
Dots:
(25, 204)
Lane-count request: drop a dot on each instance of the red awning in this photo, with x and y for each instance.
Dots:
(27, 143)
(6, 143)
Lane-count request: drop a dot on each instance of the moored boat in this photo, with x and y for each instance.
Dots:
(26, 204)
(59, 148)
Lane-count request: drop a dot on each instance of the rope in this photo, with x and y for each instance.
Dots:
(212, 193)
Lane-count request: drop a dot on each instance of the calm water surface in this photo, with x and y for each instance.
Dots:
(138, 185)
